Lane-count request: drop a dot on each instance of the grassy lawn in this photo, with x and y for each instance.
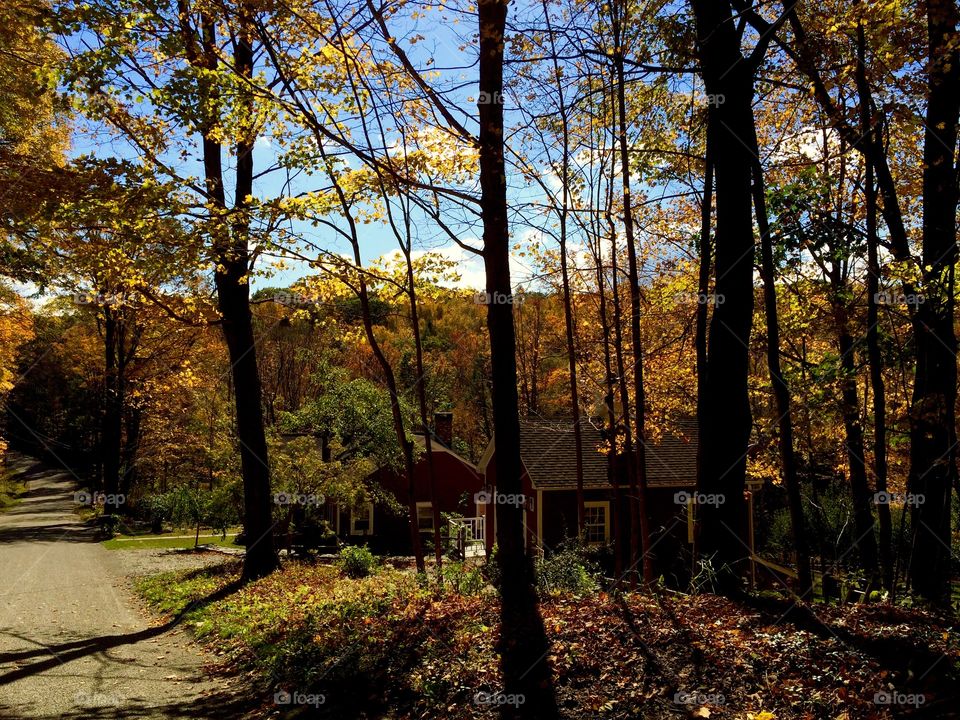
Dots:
(393, 645)
(177, 539)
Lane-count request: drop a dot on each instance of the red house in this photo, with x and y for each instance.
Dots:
(549, 482)
(387, 529)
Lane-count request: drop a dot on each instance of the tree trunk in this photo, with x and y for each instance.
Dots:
(781, 390)
(728, 78)
(234, 301)
(131, 449)
(628, 454)
(874, 357)
(640, 527)
(933, 432)
(865, 541)
(391, 382)
(232, 257)
(523, 644)
(571, 354)
(612, 471)
(875, 361)
(563, 214)
(700, 341)
(112, 427)
(421, 388)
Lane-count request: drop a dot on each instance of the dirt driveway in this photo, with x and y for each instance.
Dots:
(74, 643)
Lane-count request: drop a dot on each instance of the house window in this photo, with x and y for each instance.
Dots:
(424, 517)
(596, 525)
(361, 523)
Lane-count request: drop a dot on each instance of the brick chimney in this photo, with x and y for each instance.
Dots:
(443, 427)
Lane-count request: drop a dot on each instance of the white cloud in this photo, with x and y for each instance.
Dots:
(469, 266)
(809, 144)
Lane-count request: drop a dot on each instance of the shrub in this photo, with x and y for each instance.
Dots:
(156, 509)
(491, 568)
(224, 506)
(356, 561)
(108, 524)
(568, 569)
(462, 578)
(186, 506)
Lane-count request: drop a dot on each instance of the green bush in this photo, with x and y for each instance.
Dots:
(462, 578)
(356, 561)
(108, 524)
(828, 517)
(156, 510)
(491, 568)
(191, 507)
(10, 487)
(224, 506)
(568, 569)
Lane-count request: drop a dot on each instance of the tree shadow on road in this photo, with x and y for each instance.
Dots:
(221, 704)
(61, 532)
(225, 704)
(49, 503)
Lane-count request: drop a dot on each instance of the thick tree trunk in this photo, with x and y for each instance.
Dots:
(232, 256)
(933, 432)
(700, 338)
(233, 294)
(728, 78)
(523, 644)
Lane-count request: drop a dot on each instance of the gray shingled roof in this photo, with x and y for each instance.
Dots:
(549, 455)
(672, 460)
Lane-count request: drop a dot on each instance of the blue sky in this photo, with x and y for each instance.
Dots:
(442, 43)
(437, 39)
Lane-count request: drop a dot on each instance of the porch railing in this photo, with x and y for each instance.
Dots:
(469, 535)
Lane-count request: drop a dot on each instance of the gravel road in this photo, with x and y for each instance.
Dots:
(74, 643)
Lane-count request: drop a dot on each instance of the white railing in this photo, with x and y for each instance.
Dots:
(470, 534)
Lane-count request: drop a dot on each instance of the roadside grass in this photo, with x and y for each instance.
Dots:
(387, 640)
(10, 488)
(173, 541)
(393, 644)
(171, 593)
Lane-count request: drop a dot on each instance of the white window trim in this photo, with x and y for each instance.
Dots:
(605, 504)
(425, 505)
(353, 521)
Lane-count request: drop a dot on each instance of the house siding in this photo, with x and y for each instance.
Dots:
(557, 510)
(456, 484)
